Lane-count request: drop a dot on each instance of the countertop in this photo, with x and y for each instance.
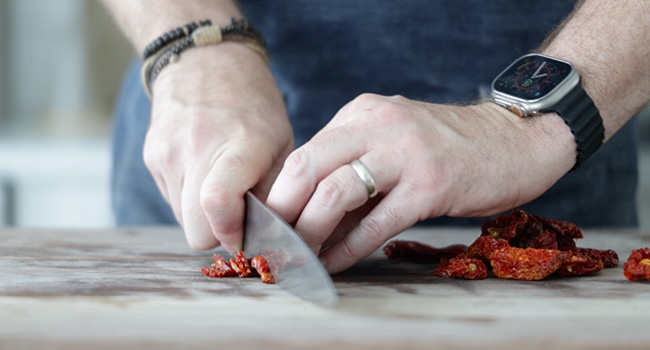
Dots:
(141, 288)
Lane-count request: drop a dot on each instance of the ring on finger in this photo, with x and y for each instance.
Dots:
(365, 176)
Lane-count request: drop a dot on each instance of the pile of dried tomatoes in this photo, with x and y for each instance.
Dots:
(521, 246)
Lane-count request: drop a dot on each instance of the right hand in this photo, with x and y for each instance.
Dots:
(427, 160)
(218, 128)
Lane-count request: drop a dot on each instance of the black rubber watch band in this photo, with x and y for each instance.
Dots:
(581, 115)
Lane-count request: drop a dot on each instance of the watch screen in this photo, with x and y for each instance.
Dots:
(532, 77)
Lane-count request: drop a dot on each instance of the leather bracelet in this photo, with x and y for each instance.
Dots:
(237, 31)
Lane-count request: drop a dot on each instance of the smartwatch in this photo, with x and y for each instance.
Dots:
(536, 84)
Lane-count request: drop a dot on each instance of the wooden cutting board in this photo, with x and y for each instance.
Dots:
(141, 288)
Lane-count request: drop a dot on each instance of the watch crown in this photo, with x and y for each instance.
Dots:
(516, 110)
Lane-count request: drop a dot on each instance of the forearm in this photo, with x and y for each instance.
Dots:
(144, 20)
(609, 44)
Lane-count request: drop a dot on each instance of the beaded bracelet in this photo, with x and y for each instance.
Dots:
(168, 50)
(172, 35)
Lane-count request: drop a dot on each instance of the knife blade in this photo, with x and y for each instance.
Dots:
(294, 267)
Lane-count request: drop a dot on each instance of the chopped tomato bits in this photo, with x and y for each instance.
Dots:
(239, 265)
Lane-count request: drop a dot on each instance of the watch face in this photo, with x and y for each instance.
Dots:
(532, 77)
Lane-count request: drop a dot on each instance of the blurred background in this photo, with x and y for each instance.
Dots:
(60, 68)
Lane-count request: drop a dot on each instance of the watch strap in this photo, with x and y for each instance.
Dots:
(581, 115)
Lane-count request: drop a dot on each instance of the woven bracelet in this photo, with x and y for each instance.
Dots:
(168, 51)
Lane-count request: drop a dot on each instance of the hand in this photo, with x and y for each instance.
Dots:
(427, 160)
(218, 128)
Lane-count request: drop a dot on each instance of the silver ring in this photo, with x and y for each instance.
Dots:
(365, 176)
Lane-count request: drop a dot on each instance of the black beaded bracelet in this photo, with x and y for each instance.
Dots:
(171, 36)
(202, 34)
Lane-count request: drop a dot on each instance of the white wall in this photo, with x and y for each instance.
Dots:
(55, 183)
(60, 66)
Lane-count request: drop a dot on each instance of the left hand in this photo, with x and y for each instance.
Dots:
(427, 160)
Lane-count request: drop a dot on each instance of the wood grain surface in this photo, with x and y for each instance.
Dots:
(141, 288)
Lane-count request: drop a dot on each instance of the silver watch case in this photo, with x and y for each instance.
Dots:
(525, 108)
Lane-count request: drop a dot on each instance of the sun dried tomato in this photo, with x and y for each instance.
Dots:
(507, 226)
(526, 264)
(543, 239)
(262, 267)
(575, 264)
(523, 230)
(567, 232)
(637, 266)
(608, 257)
(220, 268)
(240, 264)
(420, 252)
(461, 266)
(276, 259)
(484, 246)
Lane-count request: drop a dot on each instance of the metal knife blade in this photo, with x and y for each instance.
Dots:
(293, 265)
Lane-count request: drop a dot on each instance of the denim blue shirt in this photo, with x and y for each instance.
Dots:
(325, 53)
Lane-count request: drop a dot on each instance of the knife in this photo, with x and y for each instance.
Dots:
(293, 265)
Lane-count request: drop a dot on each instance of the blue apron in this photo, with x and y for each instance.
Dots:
(325, 53)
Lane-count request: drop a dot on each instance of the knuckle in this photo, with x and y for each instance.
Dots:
(366, 98)
(157, 156)
(232, 162)
(364, 101)
(375, 229)
(296, 163)
(216, 198)
(149, 158)
(389, 113)
(347, 252)
(329, 194)
(398, 98)
(371, 230)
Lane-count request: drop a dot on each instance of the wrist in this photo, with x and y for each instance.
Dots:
(143, 20)
(168, 48)
(537, 84)
(546, 138)
(216, 71)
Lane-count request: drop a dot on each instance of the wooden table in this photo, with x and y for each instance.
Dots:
(141, 288)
